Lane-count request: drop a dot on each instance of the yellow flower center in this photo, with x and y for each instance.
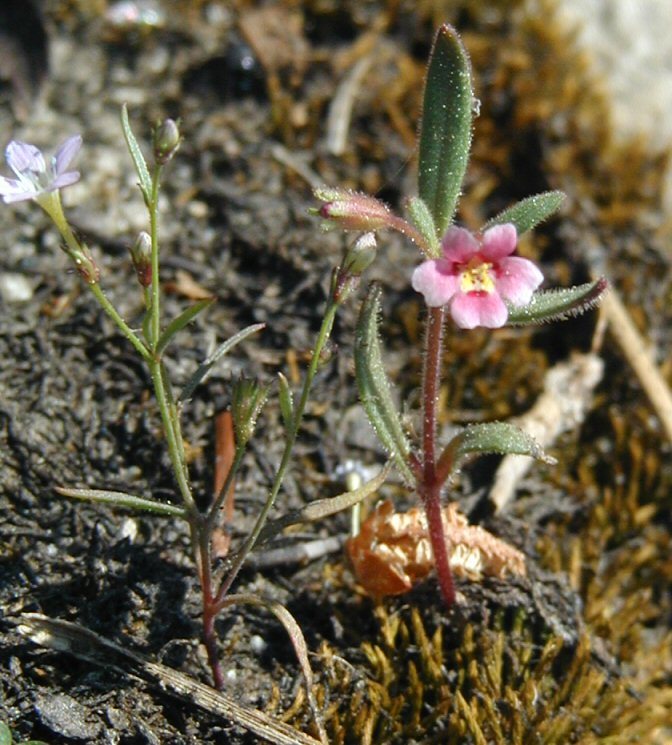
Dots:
(476, 277)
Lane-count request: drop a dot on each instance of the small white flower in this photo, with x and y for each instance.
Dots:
(33, 177)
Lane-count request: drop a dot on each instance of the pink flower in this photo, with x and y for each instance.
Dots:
(476, 275)
(34, 178)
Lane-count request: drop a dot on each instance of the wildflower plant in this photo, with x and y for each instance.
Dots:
(472, 277)
(41, 182)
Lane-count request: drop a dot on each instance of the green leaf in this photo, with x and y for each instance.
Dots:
(321, 508)
(286, 402)
(5, 734)
(138, 158)
(177, 324)
(445, 131)
(528, 213)
(121, 499)
(492, 437)
(205, 367)
(422, 218)
(374, 387)
(557, 305)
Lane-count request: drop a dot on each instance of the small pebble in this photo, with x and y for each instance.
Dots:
(15, 288)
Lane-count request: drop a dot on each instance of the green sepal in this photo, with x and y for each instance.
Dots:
(492, 437)
(374, 388)
(445, 131)
(558, 305)
(177, 324)
(529, 212)
(422, 219)
(286, 402)
(121, 499)
(207, 365)
(145, 181)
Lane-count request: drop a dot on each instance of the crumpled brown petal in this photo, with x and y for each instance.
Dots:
(392, 552)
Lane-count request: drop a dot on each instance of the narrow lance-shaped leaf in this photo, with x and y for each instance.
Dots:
(529, 212)
(492, 437)
(205, 367)
(557, 305)
(445, 131)
(177, 324)
(422, 218)
(374, 387)
(139, 161)
(321, 508)
(126, 501)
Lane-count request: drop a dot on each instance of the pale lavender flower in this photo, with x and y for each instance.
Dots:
(476, 274)
(34, 178)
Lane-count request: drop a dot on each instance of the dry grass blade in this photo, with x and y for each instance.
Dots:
(84, 644)
(298, 642)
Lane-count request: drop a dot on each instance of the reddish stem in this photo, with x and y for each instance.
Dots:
(210, 610)
(429, 483)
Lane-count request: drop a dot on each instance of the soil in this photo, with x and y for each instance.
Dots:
(252, 87)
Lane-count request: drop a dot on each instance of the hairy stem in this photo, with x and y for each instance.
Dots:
(428, 482)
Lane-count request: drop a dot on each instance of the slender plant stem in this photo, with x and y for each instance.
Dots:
(201, 540)
(155, 310)
(429, 484)
(173, 433)
(54, 209)
(216, 505)
(410, 231)
(239, 559)
(125, 329)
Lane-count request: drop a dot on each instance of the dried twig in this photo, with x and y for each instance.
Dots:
(638, 356)
(568, 392)
(84, 644)
(340, 111)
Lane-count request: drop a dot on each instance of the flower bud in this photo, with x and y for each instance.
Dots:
(247, 400)
(85, 263)
(360, 257)
(166, 141)
(141, 255)
(351, 210)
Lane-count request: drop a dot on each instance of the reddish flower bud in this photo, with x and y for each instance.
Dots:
(351, 210)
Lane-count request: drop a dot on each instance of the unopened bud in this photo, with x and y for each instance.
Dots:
(247, 400)
(351, 210)
(141, 256)
(85, 263)
(166, 141)
(360, 257)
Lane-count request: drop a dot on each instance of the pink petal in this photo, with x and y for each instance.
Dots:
(458, 245)
(23, 157)
(473, 309)
(516, 279)
(437, 286)
(66, 153)
(499, 241)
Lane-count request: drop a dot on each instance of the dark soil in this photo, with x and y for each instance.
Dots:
(586, 631)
